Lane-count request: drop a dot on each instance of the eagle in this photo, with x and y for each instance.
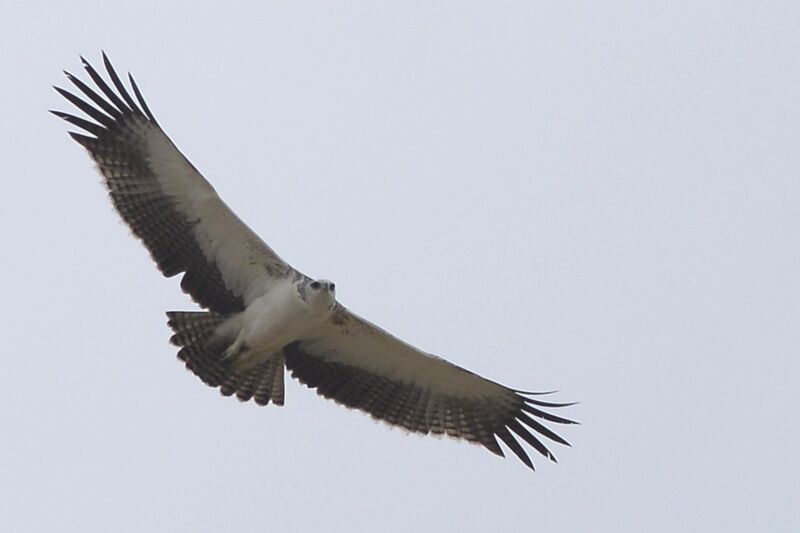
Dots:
(262, 315)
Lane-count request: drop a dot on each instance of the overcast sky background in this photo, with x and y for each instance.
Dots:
(595, 197)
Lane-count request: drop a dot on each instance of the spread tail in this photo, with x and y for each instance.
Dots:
(203, 348)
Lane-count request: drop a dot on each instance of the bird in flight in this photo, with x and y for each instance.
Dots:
(261, 314)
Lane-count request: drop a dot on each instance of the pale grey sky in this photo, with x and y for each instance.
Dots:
(595, 197)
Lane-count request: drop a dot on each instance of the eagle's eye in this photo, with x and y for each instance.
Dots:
(315, 284)
(333, 286)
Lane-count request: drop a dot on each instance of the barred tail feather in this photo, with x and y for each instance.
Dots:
(202, 352)
(193, 333)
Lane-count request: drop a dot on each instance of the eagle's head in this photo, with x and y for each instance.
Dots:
(320, 294)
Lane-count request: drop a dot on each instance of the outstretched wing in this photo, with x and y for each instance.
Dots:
(359, 365)
(166, 202)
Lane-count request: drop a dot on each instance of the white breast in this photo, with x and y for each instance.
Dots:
(276, 319)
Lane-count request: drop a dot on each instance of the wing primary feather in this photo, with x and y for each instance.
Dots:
(534, 393)
(105, 88)
(91, 127)
(549, 404)
(141, 99)
(528, 421)
(547, 416)
(86, 108)
(492, 445)
(514, 446)
(84, 140)
(118, 84)
(93, 96)
(517, 428)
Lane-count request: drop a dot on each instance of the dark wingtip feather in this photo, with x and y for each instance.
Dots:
(118, 84)
(101, 102)
(91, 127)
(100, 82)
(493, 447)
(515, 447)
(541, 429)
(84, 140)
(534, 393)
(140, 98)
(549, 404)
(85, 107)
(545, 415)
(531, 439)
(85, 62)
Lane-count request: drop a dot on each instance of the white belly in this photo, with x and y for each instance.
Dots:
(274, 320)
